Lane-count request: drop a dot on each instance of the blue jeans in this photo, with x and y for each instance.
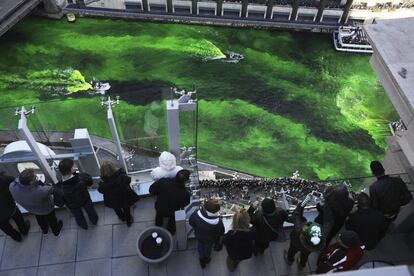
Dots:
(80, 218)
(204, 250)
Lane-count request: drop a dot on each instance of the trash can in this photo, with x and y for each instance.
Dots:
(154, 245)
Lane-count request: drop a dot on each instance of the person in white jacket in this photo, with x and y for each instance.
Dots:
(168, 167)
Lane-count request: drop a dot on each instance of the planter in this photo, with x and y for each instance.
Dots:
(150, 249)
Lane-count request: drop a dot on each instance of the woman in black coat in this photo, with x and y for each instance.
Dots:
(172, 195)
(117, 192)
(239, 240)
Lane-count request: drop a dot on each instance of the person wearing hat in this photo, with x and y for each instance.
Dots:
(306, 237)
(208, 228)
(268, 221)
(341, 256)
(387, 194)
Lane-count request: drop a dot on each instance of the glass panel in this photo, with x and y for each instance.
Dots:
(142, 129)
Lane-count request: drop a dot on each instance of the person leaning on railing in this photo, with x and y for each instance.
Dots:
(36, 197)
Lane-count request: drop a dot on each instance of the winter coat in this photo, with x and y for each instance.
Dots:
(298, 236)
(267, 227)
(388, 194)
(333, 214)
(35, 198)
(72, 192)
(239, 244)
(167, 167)
(170, 197)
(370, 224)
(208, 229)
(337, 258)
(7, 203)
(116, 190)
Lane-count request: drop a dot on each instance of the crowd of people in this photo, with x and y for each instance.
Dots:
(40, 199)
(357, 228)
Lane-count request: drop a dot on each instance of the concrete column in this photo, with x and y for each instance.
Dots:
(194, 6)
(181, 229)
(269, 9)
(321, 7)
(295, 7)
(51, 6)
(345, 14)
(219, 7)
(173, 120)
(169, 6)
(245, 3)
(145, 5)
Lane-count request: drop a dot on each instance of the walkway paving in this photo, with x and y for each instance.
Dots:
(109, 249)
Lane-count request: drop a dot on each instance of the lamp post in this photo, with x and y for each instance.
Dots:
(30, 140)
(110, 116)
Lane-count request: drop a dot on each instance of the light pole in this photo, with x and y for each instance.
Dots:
(110, 116)
(30, 140)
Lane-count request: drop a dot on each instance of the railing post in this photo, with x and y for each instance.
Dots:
(181, 229)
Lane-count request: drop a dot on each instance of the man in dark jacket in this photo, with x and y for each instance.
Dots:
(341, 256)
(387, 194)
(268, 221)
(208, 228)
(172, 195)
(36, 197)
(9, 210)
(306, 237)
(369, 223)
(333, 213)
(72, 191)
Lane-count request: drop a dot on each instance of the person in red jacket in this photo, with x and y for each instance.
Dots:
(341, 256)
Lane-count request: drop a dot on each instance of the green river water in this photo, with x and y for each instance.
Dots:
(292, 104)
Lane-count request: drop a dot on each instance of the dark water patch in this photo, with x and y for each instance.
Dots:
(140, 93)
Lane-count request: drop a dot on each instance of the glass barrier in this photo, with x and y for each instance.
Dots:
(188, 139)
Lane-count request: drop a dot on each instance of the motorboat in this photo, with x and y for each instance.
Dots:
(70, 17)
(232, 57)
(100, 87)
(351, 39)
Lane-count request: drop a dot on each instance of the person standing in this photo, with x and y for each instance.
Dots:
(341, 256)
(117, 192)
(36, 197)
(167, 167)
(172, 195)
(387, 194)
(333, 213)
(72, 191)
(239, 240)
(208, 228)
(306, 237)
(268, 222)
(9, 210)
(369, 223)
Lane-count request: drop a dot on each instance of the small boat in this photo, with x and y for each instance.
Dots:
(232, 57)
(70, 17)
(100, 87)
(351, 39)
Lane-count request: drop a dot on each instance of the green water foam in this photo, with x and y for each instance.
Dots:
(49, 80)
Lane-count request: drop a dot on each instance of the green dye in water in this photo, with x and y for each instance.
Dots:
(292, 104)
